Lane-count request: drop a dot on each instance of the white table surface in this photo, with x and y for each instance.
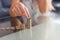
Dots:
(44, 31)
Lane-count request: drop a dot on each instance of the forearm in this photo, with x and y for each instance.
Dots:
(42, 4)
(45, 5)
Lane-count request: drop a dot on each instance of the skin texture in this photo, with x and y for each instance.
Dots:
(42, 5)
(45, 5)
(19, 9)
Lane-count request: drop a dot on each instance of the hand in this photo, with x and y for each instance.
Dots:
(19, 9)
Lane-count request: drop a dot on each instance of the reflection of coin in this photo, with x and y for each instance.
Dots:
(2, 28)
(7, 28)
(17, 27)
(12, 28)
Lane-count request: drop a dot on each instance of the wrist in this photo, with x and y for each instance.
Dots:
(14, 2)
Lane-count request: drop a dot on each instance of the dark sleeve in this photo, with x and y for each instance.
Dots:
(6, 3)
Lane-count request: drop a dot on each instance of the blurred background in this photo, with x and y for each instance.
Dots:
(54, 28)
